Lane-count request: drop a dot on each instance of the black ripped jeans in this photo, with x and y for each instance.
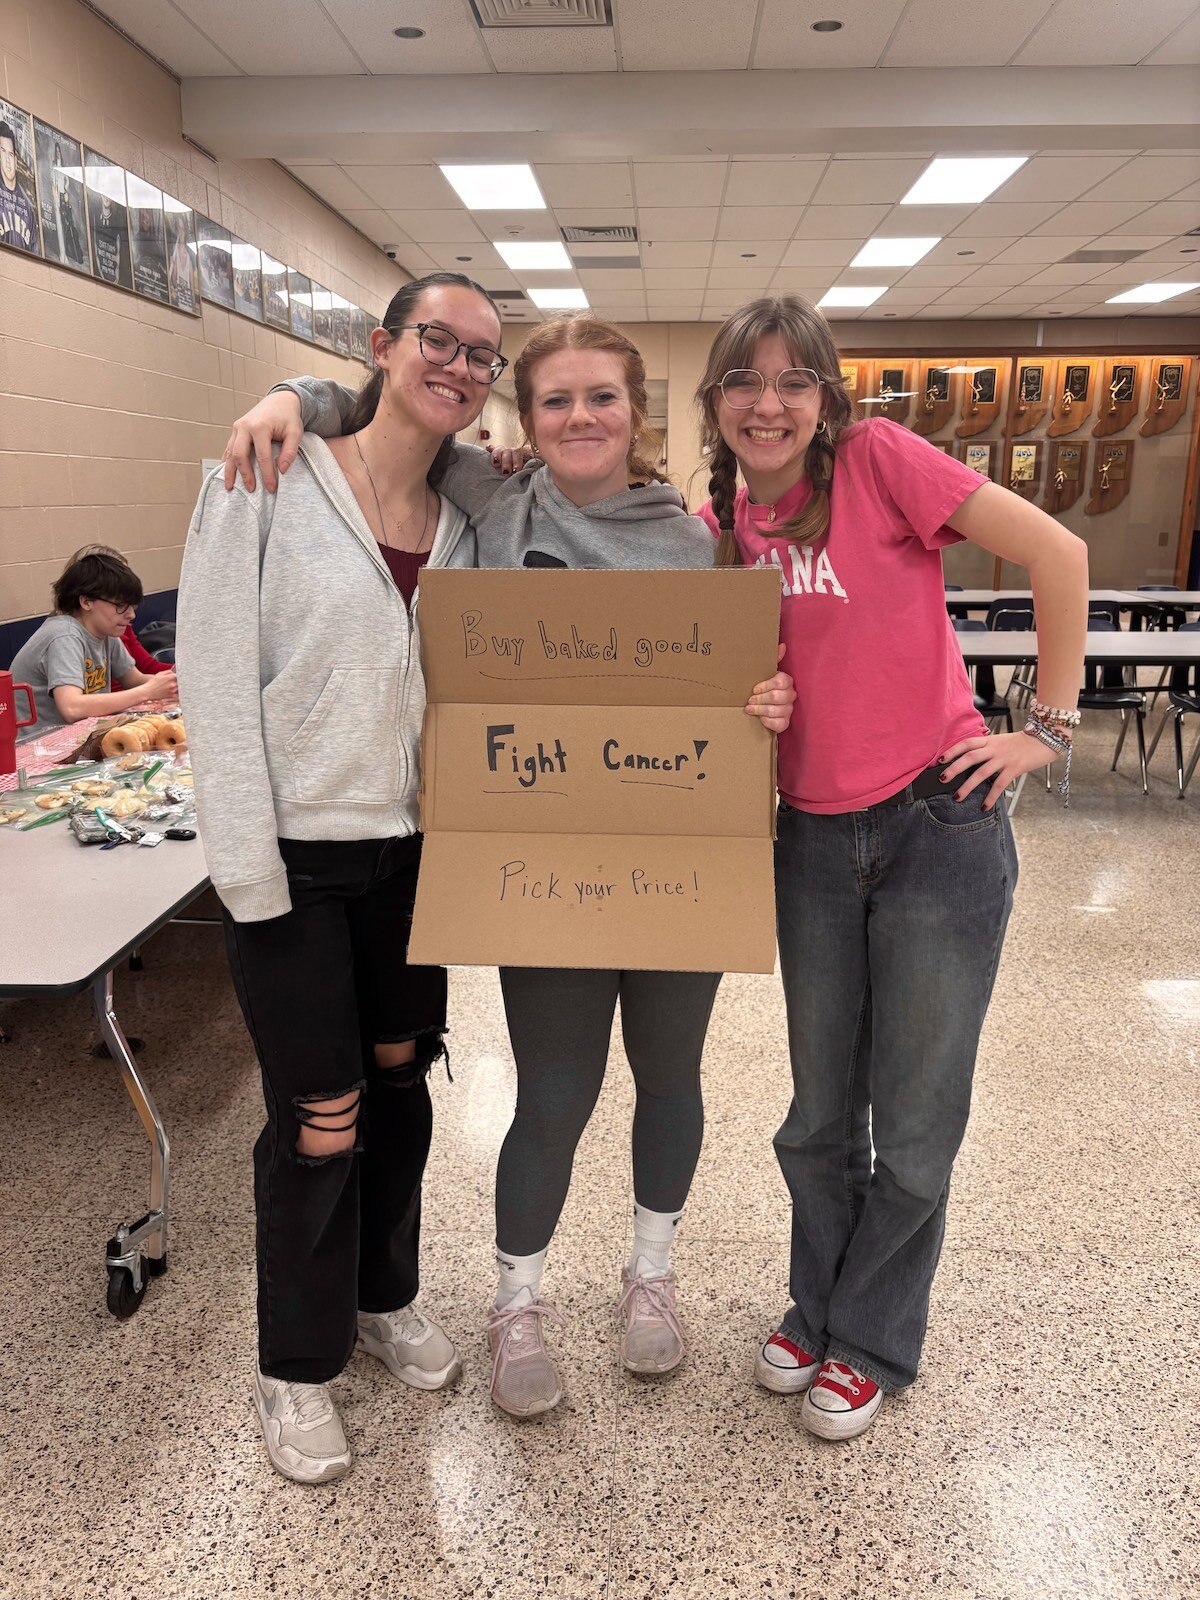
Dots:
(319, 987)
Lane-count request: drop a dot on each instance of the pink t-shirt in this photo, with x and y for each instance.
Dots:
(881, 687)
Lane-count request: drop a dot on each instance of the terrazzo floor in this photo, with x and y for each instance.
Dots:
(1048, 1450)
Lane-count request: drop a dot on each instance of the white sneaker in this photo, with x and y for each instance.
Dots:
(414, 1349)
(301, 1430)
(652, 1336)
(783, 1367)
(842, 1402)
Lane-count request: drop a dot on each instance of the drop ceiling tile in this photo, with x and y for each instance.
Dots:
(495, 282)
(1063, 275)
(1009, 220)
(374, 223)
(900, 296)
(1085, 216)
(982, 33)
(420, 188)
(1042, 250)
(1128, 241)
(452, 42)
(959, 300)
(676, 314)
(446, 252)
(440, 225)
(1148, 178)
(1181, 49)
(731, 253)
(686, 35)
(841, 222)
(820, 252)
(674, 297)
(265, 40)
(691, 253)
(926, 221)
(172, 38)
(747, 277)
(786, 39)
(1131, 272)
(999, 276)
(675, 277)
(942, 275)
(332, 184)
(1095, 33)
(618, 297)
(677, 222)
(758, 222)
(603, 279)
(586, 183)
(551, 49)
(1061, 178)
(1170, 216)
(1176, 250)
(855, 180)
(763, 183)
(679, 183)
(577, 217)
(983, 249)
(810, 282)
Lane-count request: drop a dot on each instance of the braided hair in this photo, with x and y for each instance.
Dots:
(806, 335)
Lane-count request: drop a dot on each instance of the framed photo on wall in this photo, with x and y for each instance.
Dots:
(247, 279)
(62, 207)
(275, 293)
(341, 325)
(360, 331)
(322, 304)
(147, 238)
(300, 305)
(183, 267)
(216, 261)
(108, 219)
(19, 228)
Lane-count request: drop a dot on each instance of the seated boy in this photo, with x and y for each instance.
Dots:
(75, 660)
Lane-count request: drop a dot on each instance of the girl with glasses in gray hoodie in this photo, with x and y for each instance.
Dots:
(581, 395)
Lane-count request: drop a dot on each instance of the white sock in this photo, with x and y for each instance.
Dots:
(520, 1279)
(653, 1235)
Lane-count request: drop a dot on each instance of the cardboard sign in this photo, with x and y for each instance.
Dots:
(593, 793)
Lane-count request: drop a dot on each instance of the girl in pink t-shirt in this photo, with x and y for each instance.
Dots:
(895, 865)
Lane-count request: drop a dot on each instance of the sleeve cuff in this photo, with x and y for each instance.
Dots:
(256, 902)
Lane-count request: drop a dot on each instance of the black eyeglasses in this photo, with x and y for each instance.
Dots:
(744, 387)
(441, 347)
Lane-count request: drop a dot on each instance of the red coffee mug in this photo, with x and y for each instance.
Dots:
(10, 722)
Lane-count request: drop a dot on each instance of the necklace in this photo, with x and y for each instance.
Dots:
(400, 526)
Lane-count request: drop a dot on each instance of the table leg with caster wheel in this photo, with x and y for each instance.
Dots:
(138, 1250)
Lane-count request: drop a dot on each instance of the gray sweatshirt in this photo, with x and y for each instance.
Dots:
(299, 674)
(525, 521)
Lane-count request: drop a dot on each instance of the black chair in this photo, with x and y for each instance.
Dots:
(1113, 687)
(953, 588)
(1160, 617)
(988, 703)
(1101, 611)
(1015, 616)
(1183, 696)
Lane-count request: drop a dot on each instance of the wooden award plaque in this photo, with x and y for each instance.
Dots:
(891, 379)
(1065, 475)
(1074, 396)
(937, 395)
(1025, 469)
(1032, 396)
(981, 457)
(983, 392)
(1110, 476)
(1120, 395)
(857, 375)
(1170, 386)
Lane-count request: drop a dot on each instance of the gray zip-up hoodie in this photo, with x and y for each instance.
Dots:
(525, 521)
(299, 674)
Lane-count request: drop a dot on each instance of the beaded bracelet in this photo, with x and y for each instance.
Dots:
(1054, 716)
(1060, 745)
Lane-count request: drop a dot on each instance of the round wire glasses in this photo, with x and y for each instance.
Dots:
(743, 387)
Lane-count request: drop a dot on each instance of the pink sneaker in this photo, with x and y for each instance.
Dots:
(841, 1404)
(524, 1379)
(652, 1339)
(782, 1366)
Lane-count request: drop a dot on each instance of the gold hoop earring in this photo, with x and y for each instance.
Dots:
(821, 426)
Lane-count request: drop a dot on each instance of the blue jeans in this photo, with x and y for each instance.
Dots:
(890, 927)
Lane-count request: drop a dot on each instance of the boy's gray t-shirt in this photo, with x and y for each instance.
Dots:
(63, 653)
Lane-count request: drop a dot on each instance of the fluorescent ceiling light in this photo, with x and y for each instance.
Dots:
(856, 296)
(559, 299)
(550, 256)
(1151, 293)
(893, 252)
(961, 180)
(495, 188)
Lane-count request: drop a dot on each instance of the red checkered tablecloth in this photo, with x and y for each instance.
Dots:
(48, 751)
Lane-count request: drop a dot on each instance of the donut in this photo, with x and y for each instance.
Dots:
(170, 737)
(122, 741)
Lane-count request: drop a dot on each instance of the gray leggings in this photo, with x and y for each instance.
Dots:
(560, 1022)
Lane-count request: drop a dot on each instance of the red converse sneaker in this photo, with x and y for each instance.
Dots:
(783, 1367)
(841, 1403)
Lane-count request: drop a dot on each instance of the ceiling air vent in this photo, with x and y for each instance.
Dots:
(1087, 258)
(617, 234)
(542, 13)
(509, 294)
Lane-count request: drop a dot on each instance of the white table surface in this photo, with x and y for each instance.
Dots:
(979, 598)
(69, 912)
(1141, 649)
